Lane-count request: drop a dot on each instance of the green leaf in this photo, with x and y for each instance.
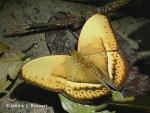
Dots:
(118, 97)
(139, 103)
(117, 101)
(73, 107)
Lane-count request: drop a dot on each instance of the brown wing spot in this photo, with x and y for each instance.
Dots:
(84, 91)
(69, 90)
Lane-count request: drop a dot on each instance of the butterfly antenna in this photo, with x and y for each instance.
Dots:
(108, 81)
(105, 80)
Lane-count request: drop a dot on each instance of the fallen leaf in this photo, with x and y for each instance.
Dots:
(10, 64)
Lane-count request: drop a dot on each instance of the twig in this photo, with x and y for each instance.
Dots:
(104, 6)
(29, 47)
(73, 23)
(74, 34)
(90, 2)
(113, 6)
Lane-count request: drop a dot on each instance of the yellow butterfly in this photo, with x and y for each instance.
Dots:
(86, 74)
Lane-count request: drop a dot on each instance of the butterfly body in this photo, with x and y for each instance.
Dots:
(87, 74)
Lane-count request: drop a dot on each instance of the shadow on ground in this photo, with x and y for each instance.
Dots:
(33, 94)
(138, 8)
(142, 36)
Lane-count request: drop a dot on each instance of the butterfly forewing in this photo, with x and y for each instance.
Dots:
(98, 37)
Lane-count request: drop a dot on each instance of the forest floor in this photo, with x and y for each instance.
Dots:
(133, 33)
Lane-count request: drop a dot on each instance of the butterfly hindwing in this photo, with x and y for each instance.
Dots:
(62, 73)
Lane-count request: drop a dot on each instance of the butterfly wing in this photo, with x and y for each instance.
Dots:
(97, 42)
(62, 73)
